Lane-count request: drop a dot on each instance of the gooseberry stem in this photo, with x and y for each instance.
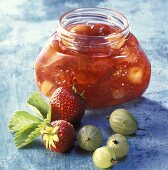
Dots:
(113, 161)
(142, 129)
(107, 117)
(145, 131)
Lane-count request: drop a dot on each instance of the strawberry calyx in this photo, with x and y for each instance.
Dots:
(50, 136)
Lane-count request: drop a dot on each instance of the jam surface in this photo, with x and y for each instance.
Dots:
(107, 75)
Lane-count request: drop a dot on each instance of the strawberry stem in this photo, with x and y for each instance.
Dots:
(80, 94)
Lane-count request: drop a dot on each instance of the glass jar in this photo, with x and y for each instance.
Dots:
(94, 51)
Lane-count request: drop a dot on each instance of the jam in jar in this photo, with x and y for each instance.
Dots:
(94, 51)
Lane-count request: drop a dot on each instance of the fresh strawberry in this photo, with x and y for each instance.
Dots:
(67, 105)
(59, 136)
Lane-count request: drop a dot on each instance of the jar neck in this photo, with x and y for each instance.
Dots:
(82, 43)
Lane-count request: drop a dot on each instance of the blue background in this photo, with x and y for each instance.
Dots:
(24, 28)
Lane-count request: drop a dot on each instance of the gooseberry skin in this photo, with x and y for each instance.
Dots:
(104, 157)
(119, 144)
(89, 138)
(123, 122)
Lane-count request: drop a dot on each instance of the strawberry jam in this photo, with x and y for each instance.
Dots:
(94, 51)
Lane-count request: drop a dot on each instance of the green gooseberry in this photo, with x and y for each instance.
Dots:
(123, 122)
(104, 157)
(119, 144)
(89, 138)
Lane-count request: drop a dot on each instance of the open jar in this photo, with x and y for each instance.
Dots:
(94, 51)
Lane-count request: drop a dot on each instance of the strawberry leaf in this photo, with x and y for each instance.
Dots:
(38, 105)
(21, 119)
(26, 135)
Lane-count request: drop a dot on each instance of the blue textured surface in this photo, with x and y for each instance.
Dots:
(24, 28)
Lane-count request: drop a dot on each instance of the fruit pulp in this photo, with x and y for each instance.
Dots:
(107, 76)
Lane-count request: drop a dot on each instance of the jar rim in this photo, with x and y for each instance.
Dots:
(67, 32)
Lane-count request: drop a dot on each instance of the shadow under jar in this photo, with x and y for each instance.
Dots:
(94, 51)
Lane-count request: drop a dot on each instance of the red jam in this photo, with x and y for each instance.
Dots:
(108, 74)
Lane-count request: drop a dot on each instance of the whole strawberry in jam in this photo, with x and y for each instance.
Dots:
(67, 105)
(59, 136)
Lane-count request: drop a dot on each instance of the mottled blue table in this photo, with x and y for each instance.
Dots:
(24, 28)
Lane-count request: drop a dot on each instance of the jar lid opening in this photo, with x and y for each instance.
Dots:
(92, 16)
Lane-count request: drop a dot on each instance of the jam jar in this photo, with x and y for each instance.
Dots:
(94, 51)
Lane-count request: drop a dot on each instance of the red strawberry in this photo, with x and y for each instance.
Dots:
(59, 137)
(67, 105)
